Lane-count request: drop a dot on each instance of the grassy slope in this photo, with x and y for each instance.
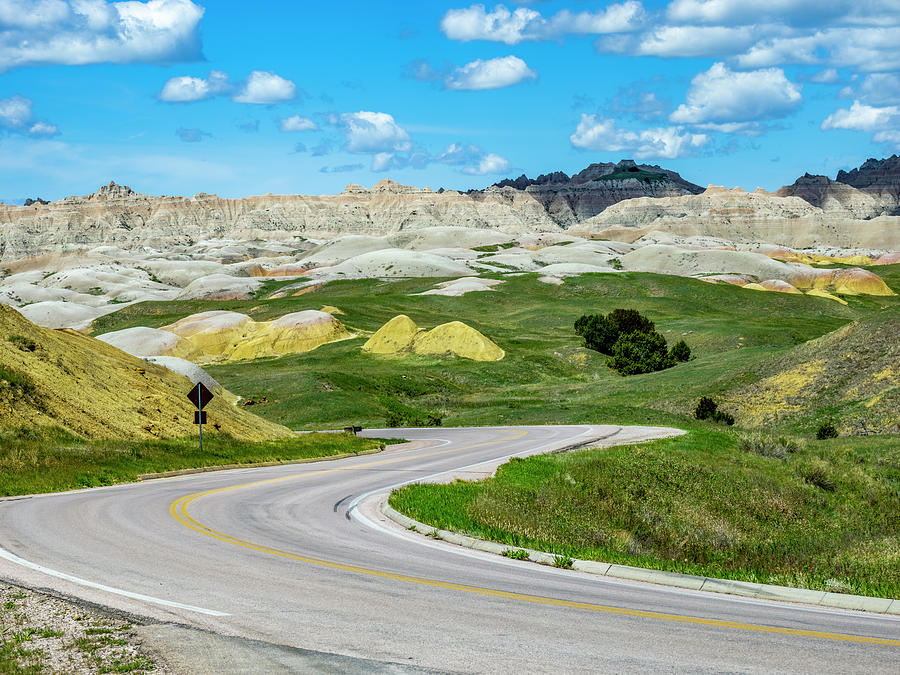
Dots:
(546, 376)
(696, 504)
(52, 460)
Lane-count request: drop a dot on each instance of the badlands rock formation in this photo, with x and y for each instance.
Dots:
(116, 215)
(401, 334)
(216, 336)
(743, 217)
(570, 200)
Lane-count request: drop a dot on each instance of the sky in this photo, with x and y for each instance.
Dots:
(176, 97)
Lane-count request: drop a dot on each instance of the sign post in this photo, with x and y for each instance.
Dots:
(200, 396)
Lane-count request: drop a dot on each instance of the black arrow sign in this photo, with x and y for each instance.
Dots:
(200, 396)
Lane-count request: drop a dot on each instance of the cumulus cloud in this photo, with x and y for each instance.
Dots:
(880, 89)
(512, 27)
(489, 164)
(826, 33)
(862, 117)
(265, 87)
(600, 134)
(491, 74)
(373, 132)
(720, 95)
(79, 32)
(17, 116)
(187, 89)
(297, 123)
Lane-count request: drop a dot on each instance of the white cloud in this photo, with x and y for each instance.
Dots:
(188, 89)
(829, 33)
(792, 12)
(373, 132)
(457, 153)
(880, 89)
(826, 76)
(16, 115)
(861, 117)
(502, 25)
(15, 112)
(720, 95)
(491, 74)
(297, 123)
(43, 129)
(490, 163)
(599, 134)
(78, 32)
(680, 41)
(265, 87)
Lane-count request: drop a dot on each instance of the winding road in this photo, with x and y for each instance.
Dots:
(298, 562)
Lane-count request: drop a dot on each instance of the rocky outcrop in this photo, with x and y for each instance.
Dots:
(836, 197)
(877, 177)
(744, 217)
(570, 200)
(117, 215)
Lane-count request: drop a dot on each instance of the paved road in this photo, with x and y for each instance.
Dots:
(272, 555)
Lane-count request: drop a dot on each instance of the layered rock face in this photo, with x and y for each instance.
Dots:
(117, 215)
(743, 217)
(570, 200)
(877, 177)
(836, 197)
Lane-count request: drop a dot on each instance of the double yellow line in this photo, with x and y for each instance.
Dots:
(179, 511)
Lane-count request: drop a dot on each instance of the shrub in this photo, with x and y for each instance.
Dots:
(26, 344)
(708, 409)
(635, 353)
(680, 351)
(630, 321)
(599, 333)
(819, 476)
(766, 446)
(516, 553)
(826, 430)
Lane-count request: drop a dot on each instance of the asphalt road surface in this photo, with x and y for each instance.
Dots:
(298, 564)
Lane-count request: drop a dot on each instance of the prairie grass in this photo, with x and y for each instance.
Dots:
(47, 459)
(824, 517)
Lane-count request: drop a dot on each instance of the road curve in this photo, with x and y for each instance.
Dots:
(272, 554)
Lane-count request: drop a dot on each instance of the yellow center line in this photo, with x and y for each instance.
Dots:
(179, 511)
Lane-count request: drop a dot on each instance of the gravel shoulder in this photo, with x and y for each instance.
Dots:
(40, 633)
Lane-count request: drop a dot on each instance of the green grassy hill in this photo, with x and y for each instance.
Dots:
(738, 337)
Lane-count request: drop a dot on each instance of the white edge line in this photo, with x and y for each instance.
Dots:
(12, 557)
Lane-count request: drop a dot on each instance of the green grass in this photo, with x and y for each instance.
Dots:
(50, 460)
(825, 517)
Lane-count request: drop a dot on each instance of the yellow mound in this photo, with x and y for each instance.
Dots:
(394, 336)
(779, 286)
(229, 336)
(819, 293)
(755, 287)
(69, 380)
(459, 339)
(401, 334)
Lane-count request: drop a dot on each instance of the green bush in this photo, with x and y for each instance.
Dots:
(599, 333)
(636, 353)
(680, 351)
(826, 430)
(708, 409)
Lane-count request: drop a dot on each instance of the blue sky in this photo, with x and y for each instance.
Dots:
(237, 98)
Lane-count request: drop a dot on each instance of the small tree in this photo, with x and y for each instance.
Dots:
(635, 353)
(630, 321)
(599, 333)
(706, 408)
(680, 351)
